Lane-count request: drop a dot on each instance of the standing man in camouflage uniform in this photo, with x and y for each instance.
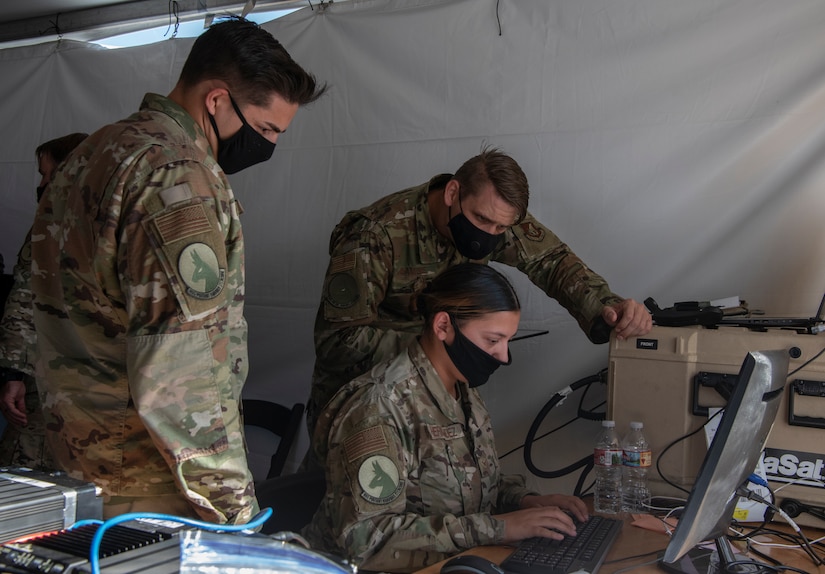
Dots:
(384, 253)
(139, 284)
(23, 441)
(411, 466)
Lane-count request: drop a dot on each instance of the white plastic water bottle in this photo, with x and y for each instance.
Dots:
(607, 462)
(636, 459)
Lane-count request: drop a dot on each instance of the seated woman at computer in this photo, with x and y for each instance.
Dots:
(411, 466)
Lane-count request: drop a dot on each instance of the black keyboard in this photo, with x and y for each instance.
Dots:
(585, 552)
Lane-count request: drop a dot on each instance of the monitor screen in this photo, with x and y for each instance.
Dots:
(731, 458)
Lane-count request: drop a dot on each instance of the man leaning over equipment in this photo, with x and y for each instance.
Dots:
(383, 254)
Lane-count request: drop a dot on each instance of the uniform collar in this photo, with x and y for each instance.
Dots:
(166, 106)
(447, 404)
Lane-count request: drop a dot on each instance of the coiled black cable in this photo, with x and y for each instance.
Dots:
(585, 463)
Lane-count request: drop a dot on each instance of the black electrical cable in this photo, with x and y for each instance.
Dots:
(586, 414)
(736, 566)
(806, 363)
(585, 463)
(674, 443)
(551, 431)
(766, 557)
(805, 544)
(591, 415)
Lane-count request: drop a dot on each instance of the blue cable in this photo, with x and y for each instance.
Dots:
(756, 479)
(86, 522)
(94, 550)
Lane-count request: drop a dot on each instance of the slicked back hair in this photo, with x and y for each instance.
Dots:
(251, 62)
(494, 166)
(467, 291)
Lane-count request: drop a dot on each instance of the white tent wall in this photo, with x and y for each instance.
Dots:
(676, 146)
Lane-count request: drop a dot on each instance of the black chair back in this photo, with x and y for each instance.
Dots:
(293, 498)
(285, 422)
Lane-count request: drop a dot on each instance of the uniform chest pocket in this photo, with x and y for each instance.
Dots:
(448, 475)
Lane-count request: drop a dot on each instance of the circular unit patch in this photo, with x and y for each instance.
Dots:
(379, 480)
(200, 272)
(532, 232)
(342, 291)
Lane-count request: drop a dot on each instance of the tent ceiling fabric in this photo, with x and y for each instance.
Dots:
(39, 20)
(11, 11)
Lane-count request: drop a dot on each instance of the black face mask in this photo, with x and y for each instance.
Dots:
(247, 147)
(40, 190)
(474, 363)
(471, 242)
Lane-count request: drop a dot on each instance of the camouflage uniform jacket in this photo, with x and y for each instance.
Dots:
(22, 446)
(17, 337)
(412, 473)
(382, 255)
(138, 295)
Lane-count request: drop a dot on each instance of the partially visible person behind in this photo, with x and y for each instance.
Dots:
(5, 283)
(411, 466)
(139, 289)
(23, 440)
(382, 254)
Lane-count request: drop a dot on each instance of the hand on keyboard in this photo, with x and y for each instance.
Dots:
(573, 505)
(539, 521)
(584, 552)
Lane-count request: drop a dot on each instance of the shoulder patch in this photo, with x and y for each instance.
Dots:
(365, 442)
(342, 263)
(176, 194)
(342, 288)
(379, 480)
(200, 271)
(532, 232)
(182, 223)
(342, 291)
(346, 294)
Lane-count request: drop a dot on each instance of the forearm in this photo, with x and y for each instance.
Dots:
(219, 486)
(188, 402)
(511, 490)
(566, 278)
(405, 543)
(553, 267)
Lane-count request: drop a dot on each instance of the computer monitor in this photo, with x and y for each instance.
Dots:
(731, 458)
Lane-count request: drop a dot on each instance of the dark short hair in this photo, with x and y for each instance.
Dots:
(59, 148)
(466, 291)
(498, 168)
(252, 63)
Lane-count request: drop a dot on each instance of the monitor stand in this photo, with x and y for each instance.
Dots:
(704, 560)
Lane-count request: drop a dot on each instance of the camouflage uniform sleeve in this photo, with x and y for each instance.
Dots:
(511, 489)
(182, 276)
(553, 267)
(17, 338)
(347, 340)
(193, 423)
(367, 470)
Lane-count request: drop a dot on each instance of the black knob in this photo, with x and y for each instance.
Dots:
(791, 507)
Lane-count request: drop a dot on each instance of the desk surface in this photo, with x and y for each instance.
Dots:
(634, 541)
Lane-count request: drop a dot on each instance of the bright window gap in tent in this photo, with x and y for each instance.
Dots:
(188, 29)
